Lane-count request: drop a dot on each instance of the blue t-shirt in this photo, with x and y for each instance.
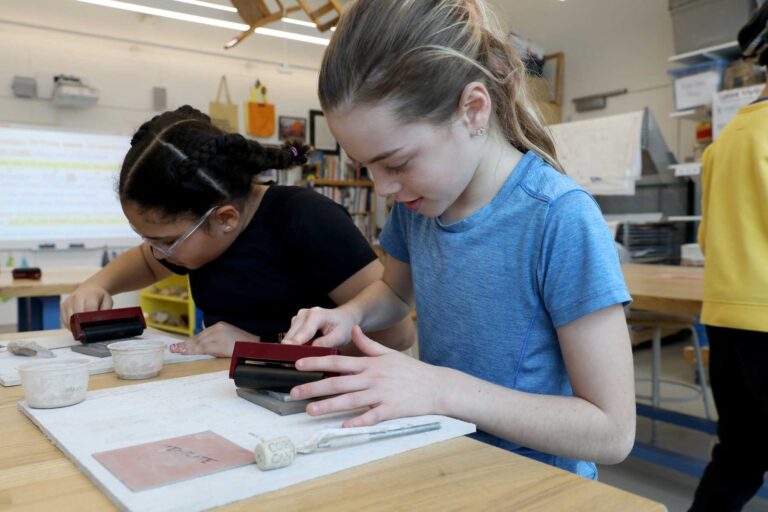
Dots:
(492, 288)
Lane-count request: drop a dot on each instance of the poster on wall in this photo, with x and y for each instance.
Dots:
(292, 128)
(320, 136)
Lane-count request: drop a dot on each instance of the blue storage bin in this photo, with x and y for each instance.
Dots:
(695, 85)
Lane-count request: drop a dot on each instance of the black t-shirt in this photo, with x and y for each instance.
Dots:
(298, 247)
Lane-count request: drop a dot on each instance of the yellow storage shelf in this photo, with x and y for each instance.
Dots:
(169, 298)
(170, 328)
(181, 310)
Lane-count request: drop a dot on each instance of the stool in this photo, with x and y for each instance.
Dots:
(318, 15)
(256, 13)
(657, 321)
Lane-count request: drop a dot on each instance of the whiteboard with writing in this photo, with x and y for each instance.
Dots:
(603, 155)
(726, 105)
(59, 187)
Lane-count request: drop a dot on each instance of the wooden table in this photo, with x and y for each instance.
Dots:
(460, 474)
(38, 300)
(665, 288)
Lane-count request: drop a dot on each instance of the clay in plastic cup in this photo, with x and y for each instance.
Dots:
(52, 384)
(137, 359)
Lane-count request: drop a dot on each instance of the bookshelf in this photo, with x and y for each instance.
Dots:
(168, 306)
(356, 196)
(345, 182)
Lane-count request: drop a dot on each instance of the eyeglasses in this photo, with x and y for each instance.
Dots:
(168, 250)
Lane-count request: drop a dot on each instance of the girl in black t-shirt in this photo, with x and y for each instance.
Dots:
(255, 253)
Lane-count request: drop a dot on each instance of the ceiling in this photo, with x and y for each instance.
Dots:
(551, 23)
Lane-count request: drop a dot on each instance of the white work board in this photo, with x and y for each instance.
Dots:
(604, 154)
(125, 416)
(59, 345)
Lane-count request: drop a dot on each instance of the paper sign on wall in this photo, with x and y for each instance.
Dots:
(696, 90)
(726, 105)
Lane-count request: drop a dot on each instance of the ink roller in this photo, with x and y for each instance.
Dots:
(264, 373)
(27, 273)
(95, 329)
(281, 452)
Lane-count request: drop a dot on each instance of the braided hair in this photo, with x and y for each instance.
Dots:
(181, 164)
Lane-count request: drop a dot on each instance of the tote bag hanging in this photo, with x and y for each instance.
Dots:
(224, 114)
(261, 114)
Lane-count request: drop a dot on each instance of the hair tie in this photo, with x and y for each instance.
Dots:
(294, 151)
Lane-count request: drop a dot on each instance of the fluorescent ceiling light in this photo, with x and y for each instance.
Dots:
(294, 21)
(208, 4)
(298, 22)
(204, 20)
(290, 35)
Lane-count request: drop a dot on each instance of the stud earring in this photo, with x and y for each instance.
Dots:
(227, 228)
(481, 132)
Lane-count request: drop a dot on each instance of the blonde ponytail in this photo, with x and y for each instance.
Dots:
(419, 55)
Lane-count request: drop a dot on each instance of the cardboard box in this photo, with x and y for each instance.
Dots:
(538, 88)
(539, 92)
(550, 113)
(743, 74)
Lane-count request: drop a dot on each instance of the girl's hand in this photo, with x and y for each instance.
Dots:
(392, 384)
(87, 297)
(334, 324)
(217, 340)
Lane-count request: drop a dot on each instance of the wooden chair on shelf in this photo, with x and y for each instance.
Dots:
(256, 13)
(657, 322)
(316, 15)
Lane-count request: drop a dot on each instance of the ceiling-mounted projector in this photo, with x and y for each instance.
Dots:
(70, 91)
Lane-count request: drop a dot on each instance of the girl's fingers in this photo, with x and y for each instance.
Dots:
(333, 364)
(328, 386)
(373, 416)
(366, 345)
(332, 339)
(308, 321)
(291, 337)
(106, 302)
(341, 403)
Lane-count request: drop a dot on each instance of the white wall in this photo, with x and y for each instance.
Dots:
(125, 55)
(125, 73)
(608, 45)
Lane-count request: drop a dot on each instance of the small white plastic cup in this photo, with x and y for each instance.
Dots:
(52, 384)
(137, 359)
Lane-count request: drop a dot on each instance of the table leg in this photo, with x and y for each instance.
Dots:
(38, 313)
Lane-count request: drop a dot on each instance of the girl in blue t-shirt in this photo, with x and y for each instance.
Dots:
(511, 268)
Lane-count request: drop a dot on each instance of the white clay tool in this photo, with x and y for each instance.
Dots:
(280, 452)
(28, 349)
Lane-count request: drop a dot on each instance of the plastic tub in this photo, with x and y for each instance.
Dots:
(53, 384)
(137, 359)
(691, 255)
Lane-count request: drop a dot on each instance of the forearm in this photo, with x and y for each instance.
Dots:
(377, 307)
(129, 271)
(566, 426)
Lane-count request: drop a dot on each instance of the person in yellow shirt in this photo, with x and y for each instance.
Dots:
(734, 237)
